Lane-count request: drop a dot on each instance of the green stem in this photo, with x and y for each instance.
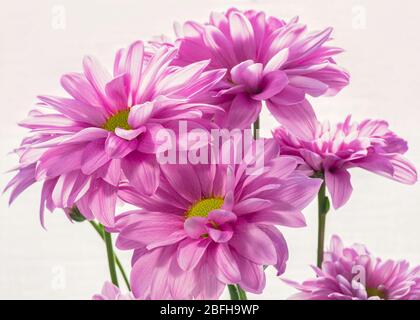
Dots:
(111, 257)
(242, 293)
(99, 230)
(233, 291)
(323, 208)
(257, 128)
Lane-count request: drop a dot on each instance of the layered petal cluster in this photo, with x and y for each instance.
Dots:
(82, 147)
(209, 225)
(112, 292)
(331, 150)
(352, 273)
(267, 60)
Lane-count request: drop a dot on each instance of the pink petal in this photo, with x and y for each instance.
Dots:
(190, 252)
(277, 61)
(140, 114)
(118, 148)
(221, 235)
(272, 84)
(243, 112)
(195, 227)
(281, 248)
(227, 269)
(222, 216)
(252, 243)
(129, 134)
(79, 88)
(102, 203)
(300, 119)
(94, 156)
(252, 275)
(339, 186)
(251, 205)
(117, 92)
(142, 171)
(97, 76)
(242, 35)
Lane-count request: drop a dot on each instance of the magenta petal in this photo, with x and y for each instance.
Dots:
(129, 134)
(243, 112)
(252, 275)
(117, 147)
(272, 84)
(227, 269)
(220, 235)
(111, 172)
(404, 171)
(103, 202)
(300, 119)
(87, 135)
(339, 186)
(292, 219)
(117, 92)
(190, 252)
(242, 35)
(139, 114)
(94, 156)
(142, 171)
(251, 205)
(79, 88)
(222, 216)
(142, 273)
(195, 227)
(252, 243)
(97, 76)
(277, 61)
(312, 86)
(281, 248)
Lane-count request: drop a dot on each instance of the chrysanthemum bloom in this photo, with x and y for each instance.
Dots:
(331, 151)
(106, 131)
(112, 292)
(352, 273)
(209, 225)
(267, 60)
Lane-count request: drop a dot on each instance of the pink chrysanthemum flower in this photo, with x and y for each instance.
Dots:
(352, 273)
(106, 131)
(267, 60)
(112, 292)
(211, 225)
(331, 151)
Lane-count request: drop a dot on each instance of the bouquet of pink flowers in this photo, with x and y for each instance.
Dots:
(173, 129)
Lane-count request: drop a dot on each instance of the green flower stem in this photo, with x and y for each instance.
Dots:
(100, 231)
(323, 208)
(242, 294)
(233, 291)
(111, 257)
(236, 292)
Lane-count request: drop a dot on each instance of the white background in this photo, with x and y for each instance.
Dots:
(382, 45)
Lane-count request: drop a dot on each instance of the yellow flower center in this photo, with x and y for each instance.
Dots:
(374, 292)
(203, 207)
(118, 120)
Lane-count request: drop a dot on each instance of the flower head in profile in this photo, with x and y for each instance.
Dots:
(112, 292)
(352, 273)
(82, 147)
(267, 60)
(209, 225)
(331, 150)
